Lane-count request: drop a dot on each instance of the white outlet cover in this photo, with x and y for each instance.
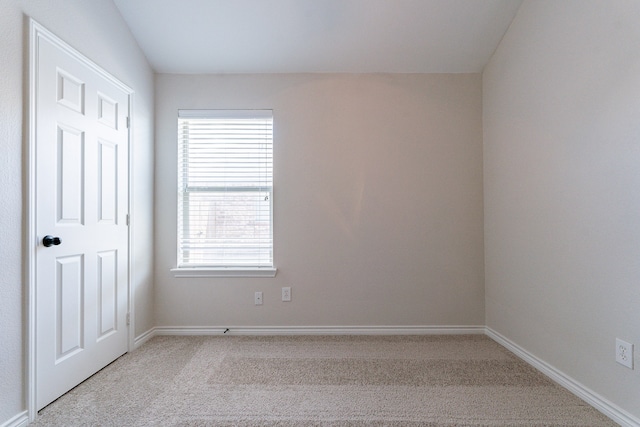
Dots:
(258, 298)
(286, 293)
(624, 353)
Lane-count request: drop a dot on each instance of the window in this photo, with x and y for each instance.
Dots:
(225, 186)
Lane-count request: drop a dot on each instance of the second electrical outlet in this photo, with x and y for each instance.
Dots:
(286, 293)
(258, 298)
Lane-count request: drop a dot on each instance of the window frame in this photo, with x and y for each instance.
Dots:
(215, 270)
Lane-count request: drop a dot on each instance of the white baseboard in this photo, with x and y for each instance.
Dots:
(315, 330)
(609, 409)
(21, 419)
(143, 338)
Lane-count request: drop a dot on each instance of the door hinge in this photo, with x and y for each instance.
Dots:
(128, 219)
(128, 319)
(128, 122)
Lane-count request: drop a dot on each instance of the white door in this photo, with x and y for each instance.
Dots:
(81, 206)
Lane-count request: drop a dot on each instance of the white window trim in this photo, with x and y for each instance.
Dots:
(222, 271)
(196, 272)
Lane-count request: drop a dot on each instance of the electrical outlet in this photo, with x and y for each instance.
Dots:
(258, 298)
(286, 293)
(624, 353)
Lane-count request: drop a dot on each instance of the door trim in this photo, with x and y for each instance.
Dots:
(36, 33)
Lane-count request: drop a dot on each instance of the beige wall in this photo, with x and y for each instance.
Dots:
(378, 201)
(562, 177)
(97, 30)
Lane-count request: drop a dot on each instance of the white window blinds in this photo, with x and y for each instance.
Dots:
(225, 180)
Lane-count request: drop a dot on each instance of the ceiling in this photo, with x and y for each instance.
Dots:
(337, 36)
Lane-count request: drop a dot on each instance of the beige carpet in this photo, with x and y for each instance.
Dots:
(320, 381)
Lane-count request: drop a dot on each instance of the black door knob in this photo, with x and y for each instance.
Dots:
(51, 241)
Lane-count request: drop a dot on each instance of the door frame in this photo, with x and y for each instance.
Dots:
(36, 33)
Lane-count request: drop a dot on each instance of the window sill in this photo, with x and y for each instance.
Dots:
(224, 272)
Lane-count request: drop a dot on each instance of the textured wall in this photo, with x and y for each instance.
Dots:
(11, 286)
(562, 231)
(97, 30)
(378, 201)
